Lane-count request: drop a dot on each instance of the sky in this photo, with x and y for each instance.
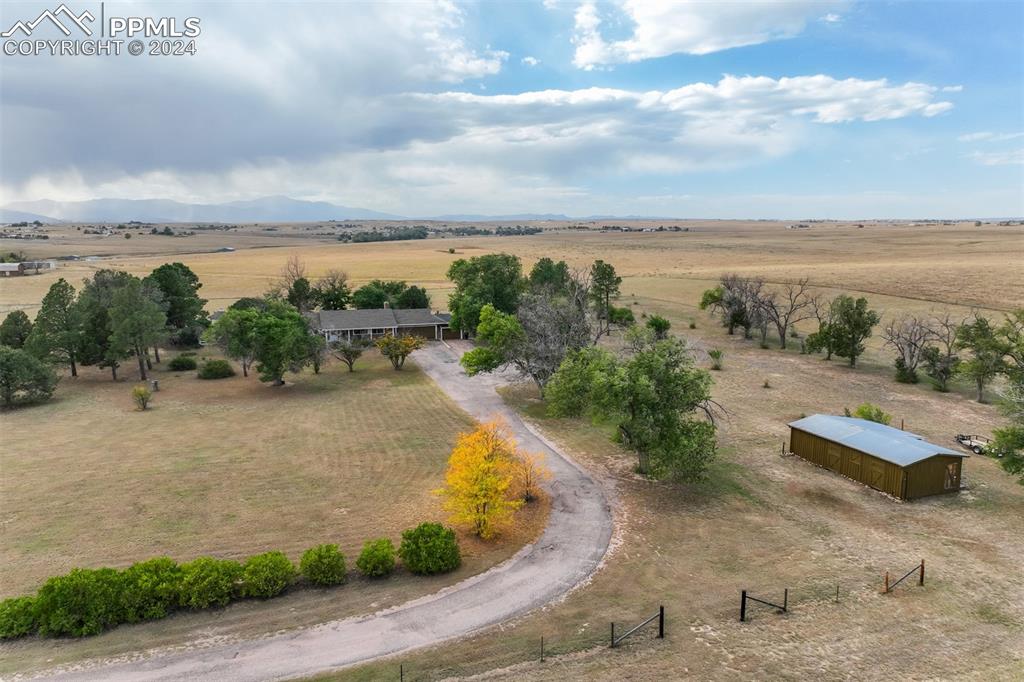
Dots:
(672, 109)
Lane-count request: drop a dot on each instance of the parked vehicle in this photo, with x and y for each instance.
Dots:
(979, 445)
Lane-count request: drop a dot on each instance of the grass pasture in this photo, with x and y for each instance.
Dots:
(763, 522)
(227, 468)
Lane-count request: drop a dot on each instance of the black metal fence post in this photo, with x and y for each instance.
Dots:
(661, 622)
(921, 581)
(613, 635)
(785, 600)
(743, 606)
(401, 672)
(541, 649)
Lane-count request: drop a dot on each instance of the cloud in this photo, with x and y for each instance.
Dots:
(420, 152)
(1013, 157)
(530, 61)
(987, 136)
(832, 18)
(693, 27)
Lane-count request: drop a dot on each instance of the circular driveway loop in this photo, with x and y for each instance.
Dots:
(573, 544)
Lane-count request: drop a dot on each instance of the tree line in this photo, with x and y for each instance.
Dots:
(547, 326)
(943, 346)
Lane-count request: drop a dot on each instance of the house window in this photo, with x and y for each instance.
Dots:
(952, 480)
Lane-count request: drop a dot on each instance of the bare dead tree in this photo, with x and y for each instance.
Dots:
(789, 306)
(908, 336)
(940, 355)
(553, 326)
(293, 270)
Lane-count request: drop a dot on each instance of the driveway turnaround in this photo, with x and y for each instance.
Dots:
(573, 544)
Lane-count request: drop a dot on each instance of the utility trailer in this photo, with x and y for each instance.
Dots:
(979, 445)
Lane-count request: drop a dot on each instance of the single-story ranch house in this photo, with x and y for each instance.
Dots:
(896, 462)
(374, 323)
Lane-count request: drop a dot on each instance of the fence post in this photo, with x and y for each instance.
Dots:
(401, 672)
(886, 583)
(541, 649)
(921, 580)
(837, 593)
(613, 635)
(785, 600)
(661, 622)
(743, 606)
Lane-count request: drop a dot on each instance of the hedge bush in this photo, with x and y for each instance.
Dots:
(83, 602)
(182, 363)
(17, 617)
(323, 565)
(216, 369)
(209, 582)
(152, 589)
(377, 558)
(267, 575)
(430, 548)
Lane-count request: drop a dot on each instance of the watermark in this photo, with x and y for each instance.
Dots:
(66, 32)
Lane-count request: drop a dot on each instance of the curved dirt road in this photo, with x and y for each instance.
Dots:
(573, 544)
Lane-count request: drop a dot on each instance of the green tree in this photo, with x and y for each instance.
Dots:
(987, 352)
(136, 321)
(850, 324)
(653, 398)
(235, 334)
(549, 276)
(15, 328)
(659, 325)
(872, 413)
(568, 393)
(604, 288)
(96, 300)
(24, 378)
(413, 297)
(57, 333)
(282, 342)
(332, 291)
(495, 279)
(1009, 440)
(179, 287)
(301, 295)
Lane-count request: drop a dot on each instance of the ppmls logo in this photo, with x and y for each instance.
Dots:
(166, 36)
(52, 16)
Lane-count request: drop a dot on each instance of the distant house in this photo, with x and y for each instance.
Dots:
(30, 267)
(896, 462)
(376, 322)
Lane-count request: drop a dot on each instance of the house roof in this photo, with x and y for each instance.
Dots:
(376, 318)
(878, 440)
(10, 267)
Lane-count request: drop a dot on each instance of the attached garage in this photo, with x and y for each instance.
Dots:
(896, 462)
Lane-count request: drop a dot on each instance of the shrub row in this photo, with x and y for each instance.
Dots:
(88, 601)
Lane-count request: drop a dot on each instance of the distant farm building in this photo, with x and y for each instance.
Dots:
(29, 267)
(370, 324)
(896, 462)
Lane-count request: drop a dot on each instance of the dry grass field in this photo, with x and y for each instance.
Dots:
(227, 468)
(897, 266)
(763, 522)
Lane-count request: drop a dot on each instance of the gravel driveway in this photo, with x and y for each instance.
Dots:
(573, 544)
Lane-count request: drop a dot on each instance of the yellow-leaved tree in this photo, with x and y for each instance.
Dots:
(480, 484)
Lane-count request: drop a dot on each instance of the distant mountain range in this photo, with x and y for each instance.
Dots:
(264, 210)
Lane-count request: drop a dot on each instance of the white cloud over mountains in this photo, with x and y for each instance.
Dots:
(694, 27)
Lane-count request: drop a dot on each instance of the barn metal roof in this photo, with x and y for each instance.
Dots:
(878, 440)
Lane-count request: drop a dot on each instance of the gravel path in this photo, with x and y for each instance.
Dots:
(573, 544)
